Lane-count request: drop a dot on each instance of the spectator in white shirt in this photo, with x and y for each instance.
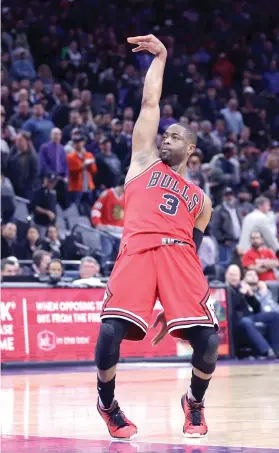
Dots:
(233, 117)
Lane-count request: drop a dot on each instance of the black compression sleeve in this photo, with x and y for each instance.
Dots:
(198, 237)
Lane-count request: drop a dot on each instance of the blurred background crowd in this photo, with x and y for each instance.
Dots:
(70, 95)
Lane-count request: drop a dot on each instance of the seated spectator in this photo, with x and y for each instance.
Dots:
(44, 202)
(87, 122)
(29, 245)
(208, 257)
(8, 240)
(225, 163)
(75, 122)
(233, 117)
(89, 273)
(38, 126)
(208, 143)
(269, 175)
(257, 220)
(74, 54)
(261, 291)
(52, 243)
(244, 201)
(23, 114)
(8, 200)
(55, 271)
(15, 261)
(226, 226)
(53, 156)
(260, 258)
(118, 142)
(69, 147)
(107, 215)
(108, 210)
(22, 67)
(23, 167)
(194, 172)
(82, 168)
(243, 320)
(8, 268)
(40, 258)
(167, 118)
(108, 164)
(53, 159)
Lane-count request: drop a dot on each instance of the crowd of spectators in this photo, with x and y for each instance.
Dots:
(71, 93)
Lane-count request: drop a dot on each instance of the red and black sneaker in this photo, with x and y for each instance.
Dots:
(195, 425)
(118, 424)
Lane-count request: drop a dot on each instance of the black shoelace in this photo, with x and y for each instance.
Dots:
(195, 417)
(117, 418)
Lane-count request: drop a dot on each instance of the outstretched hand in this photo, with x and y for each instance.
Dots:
(163, 328)
(149, 43)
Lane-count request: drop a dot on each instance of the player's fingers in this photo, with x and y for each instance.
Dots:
(140, 48)
(139, 39)
(159, 337)
(156, 322)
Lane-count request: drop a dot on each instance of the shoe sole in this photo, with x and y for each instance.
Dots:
(194, 435)
(123, 439)
(188, 435)
(119, 439)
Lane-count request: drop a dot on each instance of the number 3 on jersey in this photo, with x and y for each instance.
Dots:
(171, 205)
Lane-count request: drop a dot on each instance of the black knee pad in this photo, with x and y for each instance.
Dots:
(205, 345)
(112, 332)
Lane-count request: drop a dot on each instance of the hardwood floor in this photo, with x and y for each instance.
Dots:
(242, 405)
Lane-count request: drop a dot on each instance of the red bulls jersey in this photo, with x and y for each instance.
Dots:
(160, 204)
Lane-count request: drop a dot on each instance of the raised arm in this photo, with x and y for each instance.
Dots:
(146, 127)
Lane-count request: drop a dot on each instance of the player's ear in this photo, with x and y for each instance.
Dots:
(191, 148)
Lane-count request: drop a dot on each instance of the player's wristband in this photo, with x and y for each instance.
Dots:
(198, 237)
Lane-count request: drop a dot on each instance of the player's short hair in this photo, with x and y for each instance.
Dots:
(191, 136)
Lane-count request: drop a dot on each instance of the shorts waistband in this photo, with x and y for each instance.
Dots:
(171, 241)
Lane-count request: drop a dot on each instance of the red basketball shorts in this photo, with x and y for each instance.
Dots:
(172, 274)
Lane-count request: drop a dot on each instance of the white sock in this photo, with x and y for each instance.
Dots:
(102, 405)
(190, 395)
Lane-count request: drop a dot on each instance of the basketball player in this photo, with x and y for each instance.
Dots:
(165, 217)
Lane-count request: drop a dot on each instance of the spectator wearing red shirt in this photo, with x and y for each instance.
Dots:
(225, 69)
(260, 258)
(109, 208)
(107, 215)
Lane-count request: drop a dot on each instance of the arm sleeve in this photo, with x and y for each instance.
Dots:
(254, 303)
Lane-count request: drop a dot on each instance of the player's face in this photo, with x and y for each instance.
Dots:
(174, 148)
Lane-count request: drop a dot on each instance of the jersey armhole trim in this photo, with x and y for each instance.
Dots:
(142, 172)
(202, 204)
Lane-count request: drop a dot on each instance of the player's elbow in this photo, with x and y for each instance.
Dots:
(149, 102)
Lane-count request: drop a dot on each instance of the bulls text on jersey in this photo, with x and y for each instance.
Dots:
(165, 181)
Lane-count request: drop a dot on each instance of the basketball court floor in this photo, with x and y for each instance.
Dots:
(53, 411)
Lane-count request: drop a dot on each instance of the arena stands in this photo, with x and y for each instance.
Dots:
(71, 92)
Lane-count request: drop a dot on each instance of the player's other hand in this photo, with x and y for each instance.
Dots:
(163, 328)
(149, 43)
